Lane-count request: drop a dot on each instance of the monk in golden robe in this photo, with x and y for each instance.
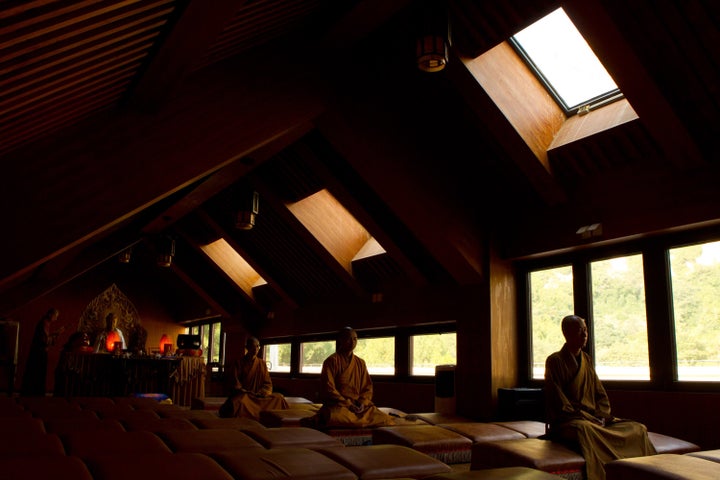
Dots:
(578, 407)
(346, 389)
(252, 390)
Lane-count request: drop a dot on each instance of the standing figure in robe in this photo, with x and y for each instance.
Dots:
(578, 407)
(252, 390)
(35, 377)
(346, 389)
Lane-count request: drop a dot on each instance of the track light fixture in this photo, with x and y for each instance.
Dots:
(165, 251)
(248, 208)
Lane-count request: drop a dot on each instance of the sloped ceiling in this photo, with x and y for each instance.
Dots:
(124, 120)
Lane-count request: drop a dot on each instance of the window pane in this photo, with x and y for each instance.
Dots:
(551, 298)
(215, 350)
(277, 357)
(312, 355)
(564, 58)
(620, 321)
(378, 353)
(695, 277)
(431, 350)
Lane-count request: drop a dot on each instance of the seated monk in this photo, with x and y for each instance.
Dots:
(252, 390)
(346, 389)
(578, 407)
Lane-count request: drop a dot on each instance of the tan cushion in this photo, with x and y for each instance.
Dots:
(514, 473)
(62, 426)
(44, 467)
(667, 444)
(12, 425)
(544, 455)
(96, 443)
(482, 432)
(713, 455)
(237, 423)
(668, 466)
(157, 466)
(529, 428)
(285, 418)
(440, 443)
(385, 461)
(157, 425)
(208, 441)
(32, 443)
(434, 418)
(285, 462)
(293, 437)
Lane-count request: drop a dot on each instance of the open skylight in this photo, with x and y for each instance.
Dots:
(234, 265)
(335, 228)
(564, 62)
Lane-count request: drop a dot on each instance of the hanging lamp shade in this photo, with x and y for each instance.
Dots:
(166, 251)
(431, 52)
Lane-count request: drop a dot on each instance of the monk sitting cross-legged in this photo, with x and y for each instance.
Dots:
(346, 389)
(253, 390)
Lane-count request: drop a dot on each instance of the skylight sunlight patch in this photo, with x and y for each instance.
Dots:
(564, 62)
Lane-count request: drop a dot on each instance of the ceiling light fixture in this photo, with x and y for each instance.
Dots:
(165, 251)
(248, 210)
(432, 42)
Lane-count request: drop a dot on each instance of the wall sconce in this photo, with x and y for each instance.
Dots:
(431, 52)
(587, 231)
(125, 256)
(249, 206)
(165, 251)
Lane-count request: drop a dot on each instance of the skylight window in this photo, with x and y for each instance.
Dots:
(335, 228)
(564, 62)
(234, 265)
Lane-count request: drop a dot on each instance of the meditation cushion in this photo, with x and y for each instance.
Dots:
(375, 462)
(157, 466)
(237, 423)
(440, 443)
(529, 428)
(508, 473)
(208, 441)
(293, 437)
(712, 455)
(482, 432)
(95, 443)
(664, 466)
(296, 463)
(668, 444)
(32, 467)
(545, 455)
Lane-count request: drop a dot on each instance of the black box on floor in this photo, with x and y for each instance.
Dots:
(521, 404)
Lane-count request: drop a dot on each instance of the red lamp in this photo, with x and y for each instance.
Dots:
(165, 340)
(110, 340)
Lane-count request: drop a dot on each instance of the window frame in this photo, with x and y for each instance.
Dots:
(402, 349)
(658, 296)
(569, 110)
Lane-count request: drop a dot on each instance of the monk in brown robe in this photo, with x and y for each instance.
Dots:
(252, 390)
(346, 389)
(578, 407)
